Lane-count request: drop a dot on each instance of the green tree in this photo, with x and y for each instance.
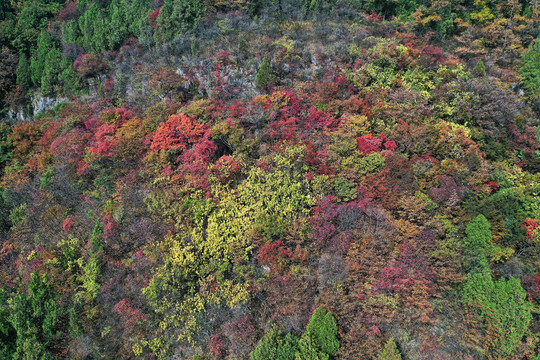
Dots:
(477, 242)
(480, 68)
(389, 351)
(309, 350)
(71, 32)
(323, 328)
(177, 17)
(530, 70)
(265, 75)
(68, 77)
(34, 318)
(276, 347)
(45, 43)
(50, 71)
(502, 307)
(7, 333)
(23, 72)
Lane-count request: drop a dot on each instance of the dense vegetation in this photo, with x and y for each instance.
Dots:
(286, 179)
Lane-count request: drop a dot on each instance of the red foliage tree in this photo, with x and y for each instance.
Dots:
(178, 132)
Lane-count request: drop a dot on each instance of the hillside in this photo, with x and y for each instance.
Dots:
(291, 179)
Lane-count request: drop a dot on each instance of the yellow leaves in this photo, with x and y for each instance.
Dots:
(501, 254)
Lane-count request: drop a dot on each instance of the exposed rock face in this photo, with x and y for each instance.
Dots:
(42, 103)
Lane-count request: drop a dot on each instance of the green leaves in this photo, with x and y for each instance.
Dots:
(265, 75)
(274, 346)
(319, 341)
(530, 71)
(500, 306)
(389, 351)
(34, 318)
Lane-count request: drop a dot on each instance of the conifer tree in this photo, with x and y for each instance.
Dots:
(23, 72)
(389, 351)
(480, 68)
(265, 75)
(50, 71)
(45, 43)
(530, 71)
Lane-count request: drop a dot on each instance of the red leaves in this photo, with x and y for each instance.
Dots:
(177, 132)
(130, 315)
(68, 224)
(152, 18)
(368, 144)
(530, 225)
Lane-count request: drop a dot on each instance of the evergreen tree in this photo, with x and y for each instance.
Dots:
(118, 25)
(34, 318)
(530, 71)
(68, 77)
(389, 351)
(323, 328)
(45, 43)
(50, 71)
(274, 346)
(177, 17)
(7, 333)
(477, 242)
(23, 72)
(71, 32)
(480, 68)
(265, 75)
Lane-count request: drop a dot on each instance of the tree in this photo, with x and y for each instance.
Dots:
(68, 77)
(480, 68)
(265, 75)
(477, 242)
(8, 68)
(389, 351)
(50, 71)
(45, 43)
(177, 17)
(320, 339)
(23, 72)
(530, 70)
(34, 318)
(276, 347)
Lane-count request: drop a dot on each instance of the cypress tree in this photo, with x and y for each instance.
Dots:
(50, 71)
(530, 71)
(389, 351)
(265, 75)
(23, 72)
(45, 43)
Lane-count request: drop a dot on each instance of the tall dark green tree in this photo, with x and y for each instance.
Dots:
(51, 70)
(177, 17)
(45, 43)
(24, 78)
(68, 77)
(530, 70)
(34, 318)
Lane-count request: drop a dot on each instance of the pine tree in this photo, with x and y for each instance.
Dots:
(68, 77)
(274, 346)
(265, 75)
(480, 68)
(477, 242)
(50, 71)
(389, 351)
(323, 327)
(177, 17)
(530, 71)
(23, 72)
(34, 318)
(45, 43)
